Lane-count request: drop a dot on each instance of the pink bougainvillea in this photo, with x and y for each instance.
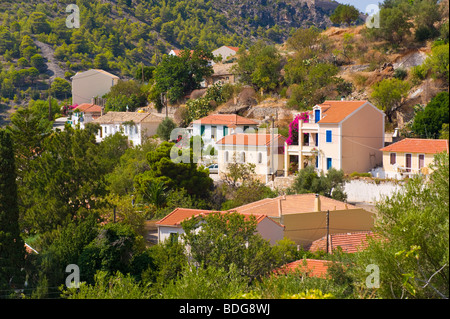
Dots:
(293, 128)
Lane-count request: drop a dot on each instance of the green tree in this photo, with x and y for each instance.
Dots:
(109, 286)
(68, 175)
(12, 249)
(260, 66)
(38, 23)
(111, 251)
(412, 251)
(65, 249)
(38, 62)
(344, 13)
(61, 88)
(226, 239)
(176, 175)
(179, 75)
(28, 130)
(394, 25)
(101, 62)
(165, 128)
(428, 122)
(388, 95)
(438, 63)
(329, 185)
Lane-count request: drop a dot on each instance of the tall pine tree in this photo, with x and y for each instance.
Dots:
(12, 250)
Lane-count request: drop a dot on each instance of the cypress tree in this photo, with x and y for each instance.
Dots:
(12, 250)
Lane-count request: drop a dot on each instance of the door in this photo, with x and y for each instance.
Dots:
(408, 162)
(421, 161)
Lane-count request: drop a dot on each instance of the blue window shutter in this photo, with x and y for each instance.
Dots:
(316, 116)
(328, 136)
(329, 163)
(317, 139)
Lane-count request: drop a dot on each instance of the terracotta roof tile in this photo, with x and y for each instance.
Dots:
(120, 117)
(349, 242)
(177, 216)
(225, 119)
(417, 145)
(292, 204)
(89, 108)
(312, 267)
(336, 111)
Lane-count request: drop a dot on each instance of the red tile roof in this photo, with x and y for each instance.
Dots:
(176, 217)
(312, 267)
(417, 145)
(292, 204)
(225, 119)
(349, 242)
(252, 139)
(336, 111)
(233, 48)
(89, 108)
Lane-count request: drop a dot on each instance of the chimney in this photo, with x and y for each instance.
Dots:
(317, 205)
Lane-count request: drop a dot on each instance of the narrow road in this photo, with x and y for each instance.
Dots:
(48, 53)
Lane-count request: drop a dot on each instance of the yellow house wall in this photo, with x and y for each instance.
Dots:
(362, 139)
(90, 85)
(401, 161)
(329, 149)
(304, 228)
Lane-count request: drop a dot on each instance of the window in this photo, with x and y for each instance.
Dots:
(246, 128)
(242, 157)
(226, 157)
(202, 130)
(213, 132)
(106, 129)
(259, 158)
(393, 158)
(173, 238)
(135, 129)
(316, 116)
(317, 161)
(225, 130)
(408, 161)
(329, 163)
(329, 138)
(421, 160)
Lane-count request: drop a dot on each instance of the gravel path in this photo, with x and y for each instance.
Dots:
(54, 70)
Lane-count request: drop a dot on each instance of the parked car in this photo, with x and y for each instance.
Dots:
(213, 168)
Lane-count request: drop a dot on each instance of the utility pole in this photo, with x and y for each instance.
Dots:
(328, 229)
(49, 107)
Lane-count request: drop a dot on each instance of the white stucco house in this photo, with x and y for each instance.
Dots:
(136, 126)
(90, 84)
(215, 126)
(169, 228)
(265, 151)
(85, 113)
(225, 52)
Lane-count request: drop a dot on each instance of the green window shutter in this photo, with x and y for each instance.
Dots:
(225, 130)
(202, 130)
